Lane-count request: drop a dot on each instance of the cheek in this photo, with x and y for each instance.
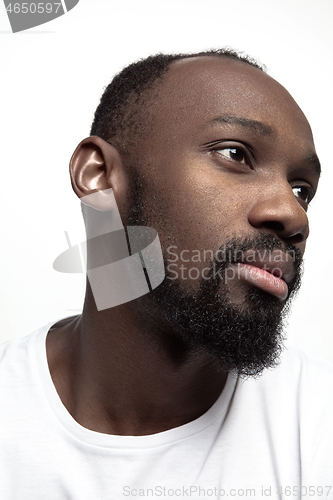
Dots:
(199, 211)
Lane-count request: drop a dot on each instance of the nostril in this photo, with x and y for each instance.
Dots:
(279, 229)
(294, 240)
(274, 225)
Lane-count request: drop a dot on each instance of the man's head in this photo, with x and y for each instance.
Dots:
(221, 162)
(123, 106)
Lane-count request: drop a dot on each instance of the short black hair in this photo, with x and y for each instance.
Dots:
(117, 112)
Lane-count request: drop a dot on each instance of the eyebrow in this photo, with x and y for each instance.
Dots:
(254, 125)
(314, 163)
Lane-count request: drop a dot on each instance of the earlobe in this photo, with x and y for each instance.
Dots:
(92, 168)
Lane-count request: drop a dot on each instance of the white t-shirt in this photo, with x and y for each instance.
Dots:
(265, 438)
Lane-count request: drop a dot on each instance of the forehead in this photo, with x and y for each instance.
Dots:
(196, 91)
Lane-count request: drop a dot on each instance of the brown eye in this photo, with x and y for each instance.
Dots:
(303, 193)
(235, 154)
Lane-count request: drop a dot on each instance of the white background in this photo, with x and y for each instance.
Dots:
(51, 79)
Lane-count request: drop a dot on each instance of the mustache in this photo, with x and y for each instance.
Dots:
(233, 251)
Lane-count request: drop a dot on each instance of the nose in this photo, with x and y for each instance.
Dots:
(279, 212)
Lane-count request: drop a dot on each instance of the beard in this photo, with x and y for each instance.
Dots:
(245, 338)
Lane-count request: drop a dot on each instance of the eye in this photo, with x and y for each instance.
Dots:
(236, 154)
(304, 193)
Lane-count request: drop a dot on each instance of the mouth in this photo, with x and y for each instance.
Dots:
(271, 273)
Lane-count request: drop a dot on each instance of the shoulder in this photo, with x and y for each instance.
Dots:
(298, 371)
(299, 380)
(22, 348)
(312, 377)
(300, 388)
(303, 368)
(19, 357)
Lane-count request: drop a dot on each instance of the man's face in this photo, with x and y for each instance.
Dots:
(229, 163)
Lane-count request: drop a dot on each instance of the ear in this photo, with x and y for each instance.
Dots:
(95, 167)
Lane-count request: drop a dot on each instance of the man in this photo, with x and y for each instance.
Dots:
(148, 398)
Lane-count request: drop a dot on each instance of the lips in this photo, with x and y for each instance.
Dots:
(270, 271)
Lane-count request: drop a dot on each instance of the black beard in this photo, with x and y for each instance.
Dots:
(245, 339)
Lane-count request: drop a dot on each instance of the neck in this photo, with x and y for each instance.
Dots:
(118, 373)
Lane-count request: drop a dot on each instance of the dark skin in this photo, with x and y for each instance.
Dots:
(230, 153)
